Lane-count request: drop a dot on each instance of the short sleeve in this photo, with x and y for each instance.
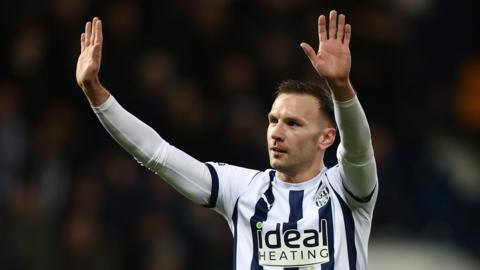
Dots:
(366, 204)
(228, 183)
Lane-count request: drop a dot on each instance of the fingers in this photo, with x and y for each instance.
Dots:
(322, 28)
(341, 27)
(88, 33)
(332, 25)
(308, 50)
(82, 42)
(339, 31)
(348, 33)
(94, 31)
(98, 32)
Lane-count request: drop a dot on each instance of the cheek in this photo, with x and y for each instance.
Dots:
(308, 146)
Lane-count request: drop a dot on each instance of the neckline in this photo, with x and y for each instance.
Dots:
(314, 181)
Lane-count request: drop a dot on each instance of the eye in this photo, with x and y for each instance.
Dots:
(272, 120)
(292, 123)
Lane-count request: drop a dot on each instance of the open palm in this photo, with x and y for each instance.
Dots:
(333, 59)
(88, 64)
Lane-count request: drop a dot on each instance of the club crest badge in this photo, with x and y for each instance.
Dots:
(322, 196)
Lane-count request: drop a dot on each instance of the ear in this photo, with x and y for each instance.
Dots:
(327, 138)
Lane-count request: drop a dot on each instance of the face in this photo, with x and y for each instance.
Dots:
(298, 134)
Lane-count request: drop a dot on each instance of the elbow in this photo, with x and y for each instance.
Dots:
(150, 155)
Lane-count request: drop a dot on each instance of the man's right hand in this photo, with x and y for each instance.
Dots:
(88, 65)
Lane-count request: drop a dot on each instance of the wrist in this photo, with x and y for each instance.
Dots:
(342, 90)
(91, 85)
(95, 92)
(338, 83)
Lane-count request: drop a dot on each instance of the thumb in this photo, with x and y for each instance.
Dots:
(309, 51)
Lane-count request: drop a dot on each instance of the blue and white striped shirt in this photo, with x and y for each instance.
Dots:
(280, 225)
(316, 224)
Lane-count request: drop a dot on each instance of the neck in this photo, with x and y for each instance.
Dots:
(291, 177)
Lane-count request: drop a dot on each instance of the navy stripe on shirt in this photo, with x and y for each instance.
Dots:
(214, 194)
(365, 199)
(260, 215)
(295, 200)
(235, 234)
(325, 213)
(349, 232)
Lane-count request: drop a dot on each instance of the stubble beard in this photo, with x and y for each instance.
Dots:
(282, 166)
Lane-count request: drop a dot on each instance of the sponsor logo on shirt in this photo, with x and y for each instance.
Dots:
(292, 248)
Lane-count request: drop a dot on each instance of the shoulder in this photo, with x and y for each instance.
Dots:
(230, 182)
(230, 170)
(334, 178)
(227, 172)
(332, 174)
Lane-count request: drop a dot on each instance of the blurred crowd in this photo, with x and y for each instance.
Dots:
(202, 74)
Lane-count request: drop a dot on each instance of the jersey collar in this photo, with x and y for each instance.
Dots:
(300, 186)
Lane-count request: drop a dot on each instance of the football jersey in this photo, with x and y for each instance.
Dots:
(280, 225)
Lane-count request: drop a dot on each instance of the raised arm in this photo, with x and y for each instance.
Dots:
(186, 174)
(332, 61)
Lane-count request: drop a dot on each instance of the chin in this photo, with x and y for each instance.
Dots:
(273, 163)
(277, 165)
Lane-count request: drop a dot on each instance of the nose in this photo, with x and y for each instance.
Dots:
(277, 132)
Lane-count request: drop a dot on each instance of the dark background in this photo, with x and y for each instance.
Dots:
(202, 73)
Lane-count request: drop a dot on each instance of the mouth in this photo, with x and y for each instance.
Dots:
(277, 151)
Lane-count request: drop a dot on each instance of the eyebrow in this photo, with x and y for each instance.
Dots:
(288, 118)
(296, 119)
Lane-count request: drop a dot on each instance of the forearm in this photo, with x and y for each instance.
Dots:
(355, 152)
(355, 137)
(186, 174)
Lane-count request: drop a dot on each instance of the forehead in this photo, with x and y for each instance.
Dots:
(296, 105)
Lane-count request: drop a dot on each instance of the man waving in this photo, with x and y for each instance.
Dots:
(298, 214)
